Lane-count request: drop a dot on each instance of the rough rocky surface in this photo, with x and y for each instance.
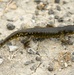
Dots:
(41, 57)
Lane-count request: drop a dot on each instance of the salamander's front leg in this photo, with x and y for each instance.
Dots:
(26, 41)
(38, 39)
(65, 41)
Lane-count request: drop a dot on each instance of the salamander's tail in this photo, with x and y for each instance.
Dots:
(1, 43)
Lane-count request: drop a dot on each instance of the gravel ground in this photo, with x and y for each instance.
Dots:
(43, 57)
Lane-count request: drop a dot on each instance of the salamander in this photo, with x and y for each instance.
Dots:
(49, 32)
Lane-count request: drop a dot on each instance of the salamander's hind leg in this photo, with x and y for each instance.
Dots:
(26, 41)
(65, 40)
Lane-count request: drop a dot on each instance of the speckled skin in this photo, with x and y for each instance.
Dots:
(41, 32)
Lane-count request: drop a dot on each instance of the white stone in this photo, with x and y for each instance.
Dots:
(1, 60)
(13, 48)
(60, 69)
(66, 65)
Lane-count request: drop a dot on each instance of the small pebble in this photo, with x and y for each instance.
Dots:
(21, 52)
(46, 2)
(10, 20)
(13, 5)
(60, 20)
(50, 11)
(12, 48)
(50, 68)
(72, 57)
(69, 63)
(37, 53)
(50, 24)
(73, 53)
(37, 1)
(41, 6)
(57, 1)
(33, 67)
(38, 58)
(10, 26)
(31, 51)
(22, 18)
(65, 2)
(28, 62)
(51, 17)
(58, 8)
(56, 17)
(1, 60)
(36, 12)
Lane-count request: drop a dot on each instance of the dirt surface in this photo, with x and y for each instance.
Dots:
(43, 57)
